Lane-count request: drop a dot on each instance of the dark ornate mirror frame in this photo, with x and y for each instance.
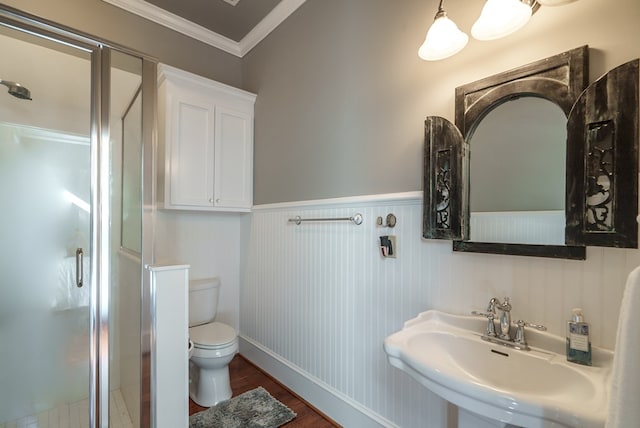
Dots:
(601, 118)
(560, 79)
(602, 176)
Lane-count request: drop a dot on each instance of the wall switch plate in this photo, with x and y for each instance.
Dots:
(388, 247)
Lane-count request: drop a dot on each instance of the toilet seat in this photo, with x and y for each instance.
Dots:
(213, 335)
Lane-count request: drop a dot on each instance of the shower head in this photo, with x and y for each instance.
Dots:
(16, 89)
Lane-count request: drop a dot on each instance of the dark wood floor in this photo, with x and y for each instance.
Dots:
(245, 376)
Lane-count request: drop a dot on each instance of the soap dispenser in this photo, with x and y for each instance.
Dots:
(578, 341)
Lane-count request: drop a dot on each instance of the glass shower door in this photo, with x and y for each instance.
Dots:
(45, 225)
(126, 237)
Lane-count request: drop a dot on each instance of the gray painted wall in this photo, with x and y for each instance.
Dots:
(342, 94)
(103, 20)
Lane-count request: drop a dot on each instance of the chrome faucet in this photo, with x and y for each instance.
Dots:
(504, 338)
(505, 319)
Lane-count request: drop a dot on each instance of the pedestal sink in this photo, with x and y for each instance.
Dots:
(535, 388)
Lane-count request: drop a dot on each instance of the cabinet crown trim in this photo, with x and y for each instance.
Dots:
(167, 72)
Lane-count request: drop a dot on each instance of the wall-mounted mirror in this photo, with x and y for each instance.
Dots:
(508, 179)
(521, 201)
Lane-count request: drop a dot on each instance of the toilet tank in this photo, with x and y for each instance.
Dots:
(203, 300)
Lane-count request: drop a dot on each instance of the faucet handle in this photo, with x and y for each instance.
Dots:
(490, 316)
(506, 306)
(520, 338)
(536, 326)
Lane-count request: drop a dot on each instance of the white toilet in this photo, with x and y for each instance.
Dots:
(214, 345)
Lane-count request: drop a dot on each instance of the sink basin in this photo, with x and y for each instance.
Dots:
(536, 388)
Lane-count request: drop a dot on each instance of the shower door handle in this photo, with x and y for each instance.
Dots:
(79, 267)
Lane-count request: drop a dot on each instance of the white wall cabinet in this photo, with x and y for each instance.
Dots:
(206, 143)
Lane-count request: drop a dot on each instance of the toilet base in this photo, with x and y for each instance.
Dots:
(208, 387)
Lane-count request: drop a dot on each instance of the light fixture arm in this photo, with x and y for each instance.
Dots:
(440, 13)
(533, 4)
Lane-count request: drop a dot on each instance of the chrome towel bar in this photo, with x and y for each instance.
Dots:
(356, 218)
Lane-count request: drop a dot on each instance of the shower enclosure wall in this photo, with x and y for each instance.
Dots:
(74, 305)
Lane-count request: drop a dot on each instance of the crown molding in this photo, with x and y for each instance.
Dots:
(268, 24)
(195, 31)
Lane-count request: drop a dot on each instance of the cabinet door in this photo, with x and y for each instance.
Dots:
(233, 158)
(191, 161)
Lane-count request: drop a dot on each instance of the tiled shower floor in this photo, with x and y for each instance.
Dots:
(75, 415)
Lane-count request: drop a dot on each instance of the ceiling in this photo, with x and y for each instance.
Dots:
(221, 17)
(234, 26)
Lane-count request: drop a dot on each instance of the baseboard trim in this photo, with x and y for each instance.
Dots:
(327, 400)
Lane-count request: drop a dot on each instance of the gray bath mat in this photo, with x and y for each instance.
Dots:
(253, 409)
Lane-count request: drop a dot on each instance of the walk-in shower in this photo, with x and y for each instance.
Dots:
(16, 89)
(71, 178)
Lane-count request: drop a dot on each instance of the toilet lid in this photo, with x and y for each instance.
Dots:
(212, 334)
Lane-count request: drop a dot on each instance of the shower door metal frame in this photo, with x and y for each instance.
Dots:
(100, 52)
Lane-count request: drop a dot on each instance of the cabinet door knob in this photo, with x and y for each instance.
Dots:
(217, 201)
(211, 200)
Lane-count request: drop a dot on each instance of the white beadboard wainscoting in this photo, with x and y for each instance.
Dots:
(317, 301)
(523, 227)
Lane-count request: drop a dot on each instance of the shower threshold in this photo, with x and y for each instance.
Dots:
(74, 415)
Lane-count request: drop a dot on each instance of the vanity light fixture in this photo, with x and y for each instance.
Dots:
(443, 39)
(500, 18)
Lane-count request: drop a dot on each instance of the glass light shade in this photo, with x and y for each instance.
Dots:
(554, 2)
(500, 18)
(443, 40)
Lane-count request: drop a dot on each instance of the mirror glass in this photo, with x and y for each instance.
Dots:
(517, 173)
